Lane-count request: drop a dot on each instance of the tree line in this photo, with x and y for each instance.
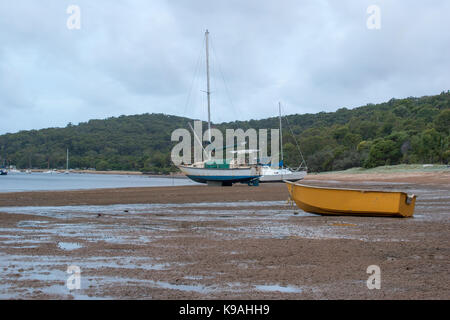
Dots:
(410, 130)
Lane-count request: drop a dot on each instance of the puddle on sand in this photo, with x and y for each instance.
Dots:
(129, 209)
(193, 277)
(68, 246)
(182, 287)
(49, 275)
(278, 288)
(32, 224)
(50, 263)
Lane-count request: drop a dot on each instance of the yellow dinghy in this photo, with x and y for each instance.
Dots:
(335, 201)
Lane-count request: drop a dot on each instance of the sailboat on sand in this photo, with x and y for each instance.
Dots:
(220, 172)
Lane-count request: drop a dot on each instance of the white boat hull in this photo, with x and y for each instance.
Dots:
(280, 175)
(229, 176)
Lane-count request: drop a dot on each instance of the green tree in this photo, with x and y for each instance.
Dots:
(442, 122)
(103, 165)
(383, 152)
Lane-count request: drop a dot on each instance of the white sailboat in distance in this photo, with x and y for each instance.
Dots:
(67, 162)
(280, 174)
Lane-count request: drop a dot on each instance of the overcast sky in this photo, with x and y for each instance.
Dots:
(148, 56)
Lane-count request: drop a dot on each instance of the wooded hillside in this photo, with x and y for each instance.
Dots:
(411, 130)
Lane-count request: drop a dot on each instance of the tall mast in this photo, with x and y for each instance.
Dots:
(67, 160)
(208, 92)
(281, 134)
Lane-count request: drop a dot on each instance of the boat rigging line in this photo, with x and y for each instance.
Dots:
(233, 107)
(298, 146)
(196, 73)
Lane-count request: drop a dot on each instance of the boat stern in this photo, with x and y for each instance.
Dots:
(407, 205)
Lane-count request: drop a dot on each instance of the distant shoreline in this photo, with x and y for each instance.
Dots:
(176, 175)
(427, 174)
(356, 170)
(392, 169)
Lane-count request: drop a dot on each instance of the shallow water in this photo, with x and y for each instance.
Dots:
(279, 288)
(68, 246)
(78, 181)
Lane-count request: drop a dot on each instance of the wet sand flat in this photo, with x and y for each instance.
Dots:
(241, 242)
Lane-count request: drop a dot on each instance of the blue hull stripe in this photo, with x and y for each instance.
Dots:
(222, 178)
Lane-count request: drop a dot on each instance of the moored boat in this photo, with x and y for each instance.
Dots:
(67, 162)
(220, 172)
(280, 174)
(337, 201)
(270, 174)
(219, 175)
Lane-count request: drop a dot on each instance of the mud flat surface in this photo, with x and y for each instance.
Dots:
(218, 243)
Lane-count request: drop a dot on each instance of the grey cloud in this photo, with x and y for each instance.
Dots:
(140, 56)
